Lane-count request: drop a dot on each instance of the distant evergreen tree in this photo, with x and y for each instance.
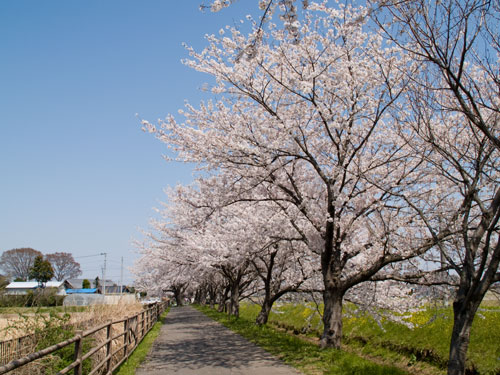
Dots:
(4, 281)
(86, 284)
(41, 271)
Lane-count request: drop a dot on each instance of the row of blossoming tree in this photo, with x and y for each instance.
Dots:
(344, 146)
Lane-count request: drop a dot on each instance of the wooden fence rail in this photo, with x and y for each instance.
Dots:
(113, 350)
(22, 346)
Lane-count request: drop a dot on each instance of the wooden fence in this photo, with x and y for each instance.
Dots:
(16, 348)
(22, 346)
(120, 338)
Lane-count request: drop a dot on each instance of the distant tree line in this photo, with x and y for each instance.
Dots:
(26, 263)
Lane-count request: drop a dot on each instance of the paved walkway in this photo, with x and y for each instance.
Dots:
(191, 343)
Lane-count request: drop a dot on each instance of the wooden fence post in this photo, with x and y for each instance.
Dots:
(78, 353)
(109, 330)
(136, 330)
(125, 337)
(142, 322)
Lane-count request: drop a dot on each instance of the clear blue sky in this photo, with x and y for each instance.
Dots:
(77, 174)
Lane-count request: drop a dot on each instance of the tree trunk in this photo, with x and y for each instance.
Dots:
(178, 296)
(463, 315)
(212, 295)
(222, 303)
(332, 318)
(200, 296)
(197, 297)
(234, 307)
(264, 312)
(223, 299)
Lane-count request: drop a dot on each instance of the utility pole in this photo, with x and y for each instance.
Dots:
(121, 278)
(104, 274)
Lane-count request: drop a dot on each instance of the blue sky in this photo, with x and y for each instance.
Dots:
(77, 174)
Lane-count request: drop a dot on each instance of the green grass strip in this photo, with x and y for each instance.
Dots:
(142, 350)
(301, 354)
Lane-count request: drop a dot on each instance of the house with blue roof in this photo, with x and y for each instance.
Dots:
(83, 291)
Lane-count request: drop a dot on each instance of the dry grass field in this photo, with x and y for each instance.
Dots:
(47, 326)
(17, 322)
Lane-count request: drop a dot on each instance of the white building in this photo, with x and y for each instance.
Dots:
(22, 287)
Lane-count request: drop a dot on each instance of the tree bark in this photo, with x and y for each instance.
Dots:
(197, 297)
(234, 306)
(463, 316)
(263, 316)
(268, 303)
(332, 318)
(178, 296)
(212, 296)
(223, 298)
(200, 296)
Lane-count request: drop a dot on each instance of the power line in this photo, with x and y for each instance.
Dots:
(88, 256)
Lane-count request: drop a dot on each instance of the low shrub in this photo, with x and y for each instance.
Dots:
(47, 329)
(38, 298)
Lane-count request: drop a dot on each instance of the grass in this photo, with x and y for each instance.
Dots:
(142, 350)
(304, 355)
(427, 342)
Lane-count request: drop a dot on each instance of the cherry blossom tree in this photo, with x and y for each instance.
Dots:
(306, 126)
(283, 267)
(458, 43)
(302, 121)
(268, 243)
(235, 240)
(210, 289)
(455, 114)
(183, 256)
(241, 242)
(465, 201)
(160, 270)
